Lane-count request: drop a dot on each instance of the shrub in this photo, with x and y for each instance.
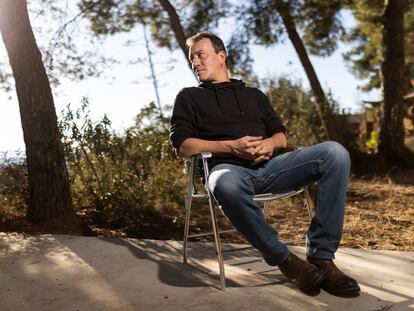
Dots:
(14, 192)
(126, 177)
(297, 108)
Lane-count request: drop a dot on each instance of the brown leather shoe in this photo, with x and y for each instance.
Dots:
(305, 275)
(336, 282)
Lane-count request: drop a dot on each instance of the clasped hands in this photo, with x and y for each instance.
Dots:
(253, 148)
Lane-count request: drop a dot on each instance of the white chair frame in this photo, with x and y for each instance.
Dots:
(260, 198)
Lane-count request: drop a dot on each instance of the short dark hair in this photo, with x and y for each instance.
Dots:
(217, 43)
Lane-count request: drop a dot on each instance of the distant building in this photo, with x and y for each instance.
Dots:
(367, 123)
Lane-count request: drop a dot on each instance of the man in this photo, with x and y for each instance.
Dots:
(241, 129)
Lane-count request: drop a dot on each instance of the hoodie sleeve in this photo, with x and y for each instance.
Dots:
(183, 120)
(272, 121)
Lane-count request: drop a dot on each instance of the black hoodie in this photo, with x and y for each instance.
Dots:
(222, 111)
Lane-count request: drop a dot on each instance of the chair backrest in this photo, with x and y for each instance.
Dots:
(195, 169)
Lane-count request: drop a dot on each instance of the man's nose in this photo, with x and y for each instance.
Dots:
(196, 62)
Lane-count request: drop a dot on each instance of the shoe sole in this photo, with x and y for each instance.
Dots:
(344, 293)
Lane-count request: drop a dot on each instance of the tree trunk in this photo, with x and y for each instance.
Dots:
(176, 27)
(49, 191)
(391, 139)
(323, 109)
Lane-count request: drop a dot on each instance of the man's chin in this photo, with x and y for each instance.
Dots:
(203, 79)
(206, 80)
(202, 76)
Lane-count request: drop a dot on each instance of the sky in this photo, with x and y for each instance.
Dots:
(121, 98)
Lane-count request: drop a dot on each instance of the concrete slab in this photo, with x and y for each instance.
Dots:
(59, 272)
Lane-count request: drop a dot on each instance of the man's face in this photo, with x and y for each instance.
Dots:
(208, 64)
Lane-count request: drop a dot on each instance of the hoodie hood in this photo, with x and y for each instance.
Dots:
(233, 85)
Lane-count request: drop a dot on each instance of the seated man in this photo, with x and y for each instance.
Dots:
(240, 128)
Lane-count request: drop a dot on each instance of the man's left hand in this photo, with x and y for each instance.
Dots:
(263, 152)
(265, 148)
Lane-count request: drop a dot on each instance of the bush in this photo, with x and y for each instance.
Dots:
(297, 109)
(123, 179)
(14, 187)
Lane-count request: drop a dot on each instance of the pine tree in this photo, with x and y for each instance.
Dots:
(383, 56)
(49, 193)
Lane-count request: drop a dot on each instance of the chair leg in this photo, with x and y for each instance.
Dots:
(218, 243)
(186, 227)
(309, 203)
(311, 210)
(215, 226)
(187, 205)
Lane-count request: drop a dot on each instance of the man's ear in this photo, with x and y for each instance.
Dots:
(223, 56)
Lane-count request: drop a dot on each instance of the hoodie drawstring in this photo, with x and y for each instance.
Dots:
(233, 84)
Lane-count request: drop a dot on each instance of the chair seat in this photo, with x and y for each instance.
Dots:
(274, 196)
(263, 197)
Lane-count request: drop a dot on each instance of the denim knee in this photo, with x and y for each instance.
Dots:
(226, 187)
(337, 153)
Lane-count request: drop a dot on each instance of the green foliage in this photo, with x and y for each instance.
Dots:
(319, 21)
(321, 24)
(297, 109)
(110, 17)
(5, 78)
(121, 178)
(118, 180)
(261, 22)
(239, 60)
(201, 15)
(267, 22)
(66, 50)
(366, 56)
(14, 192)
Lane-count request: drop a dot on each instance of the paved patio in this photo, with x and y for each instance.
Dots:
(60, 272)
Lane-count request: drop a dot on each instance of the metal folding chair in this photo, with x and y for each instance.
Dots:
(192, 193)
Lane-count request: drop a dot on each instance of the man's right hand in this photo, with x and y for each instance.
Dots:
(244, 147)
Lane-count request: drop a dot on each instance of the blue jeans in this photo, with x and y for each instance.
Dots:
(327, 163)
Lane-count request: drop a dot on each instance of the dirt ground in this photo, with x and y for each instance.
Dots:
(379, 215)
